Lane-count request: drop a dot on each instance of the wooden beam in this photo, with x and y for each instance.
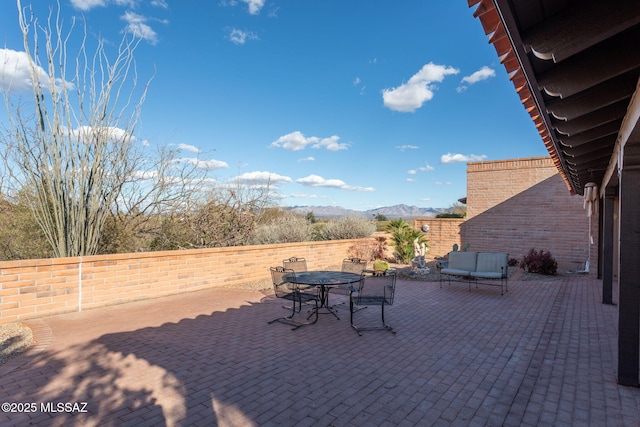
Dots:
(607, 129)
(591, 67)
(604, 94)
(596, 147)
(593, 120)
(580, 27)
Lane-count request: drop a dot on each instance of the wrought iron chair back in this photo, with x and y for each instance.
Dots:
(354, 265)
(296, 264)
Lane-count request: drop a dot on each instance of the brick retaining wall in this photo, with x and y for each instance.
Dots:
(44, 287)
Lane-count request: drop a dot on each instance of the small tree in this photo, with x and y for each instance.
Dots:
(76, 153)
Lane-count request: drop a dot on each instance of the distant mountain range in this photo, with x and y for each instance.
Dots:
(391, 212)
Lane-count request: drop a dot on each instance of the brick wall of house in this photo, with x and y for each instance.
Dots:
(516, 205)
(442, 235)
(38, 288)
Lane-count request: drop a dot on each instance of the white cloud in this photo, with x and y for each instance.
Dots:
(419, 89)
(211, 164)
(357, 81)
(15, 73)
(188, 147)
(90, 4)
(136, 25)
(87, 4)
(307, 196)
(318, 181)
(240, 37)
(426, 168)
(254, 6)
(262, 177)
(411, 180)
(483, 73)
(407, 147)
(412, 172)
(89, 133)
(160, 3)
(296, 141)
(461, 158)
(307, 159)
(330, 144)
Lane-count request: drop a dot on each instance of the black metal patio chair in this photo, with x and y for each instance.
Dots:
(349, 265)
(295, 264)
(373, 290)
(285, 289)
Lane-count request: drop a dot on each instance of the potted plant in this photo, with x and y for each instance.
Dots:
(380, 267)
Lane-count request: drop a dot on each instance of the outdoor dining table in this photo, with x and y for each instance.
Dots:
(324, 279)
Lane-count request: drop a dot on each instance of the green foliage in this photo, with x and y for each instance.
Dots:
(381, 225)
(539, 262)
(402, 238)
(450, 215)
(348, 227)
(380, 265)
(311, 218)
(380, 217)
(465, 247)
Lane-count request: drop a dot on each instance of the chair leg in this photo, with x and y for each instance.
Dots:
(289, 320)
(359, 330)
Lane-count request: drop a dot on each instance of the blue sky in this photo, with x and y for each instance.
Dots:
(353, 103)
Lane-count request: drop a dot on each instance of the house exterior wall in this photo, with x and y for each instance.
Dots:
(519, 204)
(43, 287)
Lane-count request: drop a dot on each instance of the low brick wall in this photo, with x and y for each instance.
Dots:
(44, 287)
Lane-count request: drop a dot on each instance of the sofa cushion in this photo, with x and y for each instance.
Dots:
(487, 275)
(455, 272)
(462, 261)
(493, 262)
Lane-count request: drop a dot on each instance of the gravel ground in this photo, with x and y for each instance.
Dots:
(16, 337)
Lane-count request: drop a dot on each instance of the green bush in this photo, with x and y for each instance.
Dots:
(348, 227)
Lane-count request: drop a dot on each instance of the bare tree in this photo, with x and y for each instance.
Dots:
(76, 147)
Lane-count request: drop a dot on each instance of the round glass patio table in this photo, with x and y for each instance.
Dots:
(324, 279)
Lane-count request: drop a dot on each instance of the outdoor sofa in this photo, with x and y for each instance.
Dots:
(481, 268)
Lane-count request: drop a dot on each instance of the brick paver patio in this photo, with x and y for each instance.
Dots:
(542, 354)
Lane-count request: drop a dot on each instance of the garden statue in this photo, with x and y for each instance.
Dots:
(419, 263)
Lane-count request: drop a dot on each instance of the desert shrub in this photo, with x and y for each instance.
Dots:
(369, 250)
(513, 262)
(286, 228)
(348, 227)
(539, 262)
(20, 235)
(382, 225)
(450, 215)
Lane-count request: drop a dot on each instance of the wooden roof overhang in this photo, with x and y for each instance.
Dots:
(576, 66)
